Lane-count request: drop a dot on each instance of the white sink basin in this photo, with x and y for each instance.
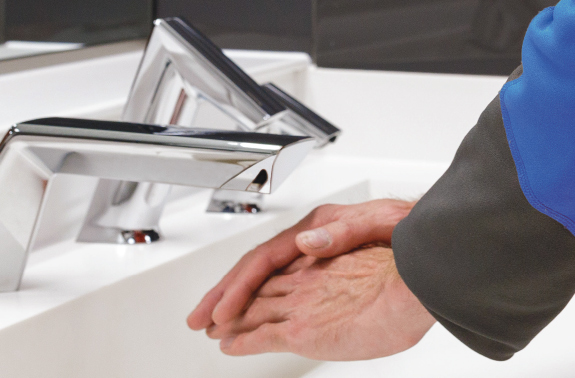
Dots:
(119, 311)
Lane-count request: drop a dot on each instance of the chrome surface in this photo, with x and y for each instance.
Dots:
(140, 236)
(35, 152)
(299, 119)
(228, 201)
(184, 79)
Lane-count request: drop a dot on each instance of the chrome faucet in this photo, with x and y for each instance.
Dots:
(185, 79)
(33, 152)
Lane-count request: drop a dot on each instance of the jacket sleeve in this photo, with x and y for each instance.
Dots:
(490, 249)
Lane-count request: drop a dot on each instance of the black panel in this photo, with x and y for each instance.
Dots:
(88, 22)
(258, 24)
(464, 36)
(2, 21)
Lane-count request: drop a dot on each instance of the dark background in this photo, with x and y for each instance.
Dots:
(454, 36)
(90, 22)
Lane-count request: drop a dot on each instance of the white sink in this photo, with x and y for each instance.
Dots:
(119, 311)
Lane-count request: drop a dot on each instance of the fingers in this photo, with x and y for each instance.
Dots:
(230, 296)
(249, 279)
(201, 317)
(269, 257)
(261, 311)
(370, 222)
(270, 305)
(269, 337)
(300, 263)
(336, 238)
(276, 286)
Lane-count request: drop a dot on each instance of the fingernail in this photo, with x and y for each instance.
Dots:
(227, 342)
(318, 238)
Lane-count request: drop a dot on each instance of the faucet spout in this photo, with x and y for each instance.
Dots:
(33, 152)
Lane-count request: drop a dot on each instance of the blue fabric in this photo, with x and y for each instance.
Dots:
(538, 112)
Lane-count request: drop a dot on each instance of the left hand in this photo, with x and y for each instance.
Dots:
(350, 307)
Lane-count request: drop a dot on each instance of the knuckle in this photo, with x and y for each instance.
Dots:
(253, 310)
(316, 213)
(323, 212)
(299, 277)
(294, 335)
(269, 340)
(339, 211)
(345, 229)
(212, 333)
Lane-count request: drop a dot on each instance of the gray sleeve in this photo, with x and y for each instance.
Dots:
(488, 266)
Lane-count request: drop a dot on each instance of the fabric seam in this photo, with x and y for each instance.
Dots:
(520, 167)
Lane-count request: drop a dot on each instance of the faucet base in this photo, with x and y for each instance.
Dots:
(125, 212)
(111, 235)
(140, 236)
(231, 201)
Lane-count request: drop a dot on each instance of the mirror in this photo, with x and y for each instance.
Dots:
(32, 27)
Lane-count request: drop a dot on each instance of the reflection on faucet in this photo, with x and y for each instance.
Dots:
(33, 152)
(299, 120)
(185, 79)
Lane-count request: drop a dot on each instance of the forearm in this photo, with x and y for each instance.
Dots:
(489, 250)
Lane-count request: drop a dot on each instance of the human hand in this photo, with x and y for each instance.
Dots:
(354, 306)
(327, 231)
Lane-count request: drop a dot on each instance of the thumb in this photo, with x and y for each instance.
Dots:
(339, 237)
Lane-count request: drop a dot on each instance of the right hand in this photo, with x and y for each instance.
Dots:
(350, 307)
(329, 230)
